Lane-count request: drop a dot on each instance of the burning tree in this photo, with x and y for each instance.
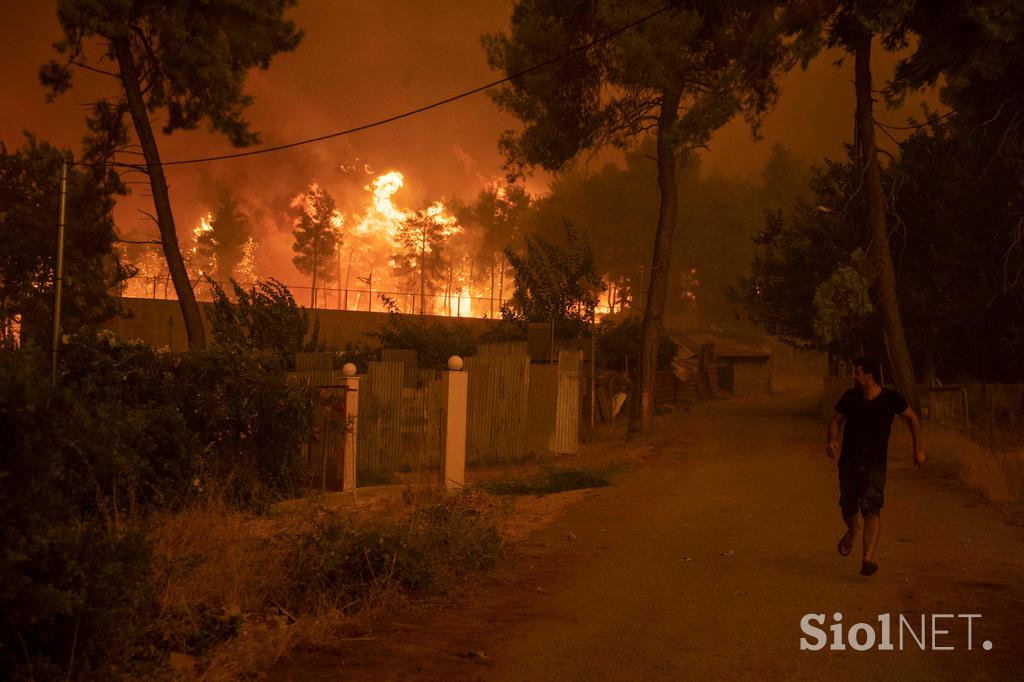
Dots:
(186, 59)
(317, 237)
(150, 271)
(500, 213)
(420, 242)
(200, 261)
(224, 242)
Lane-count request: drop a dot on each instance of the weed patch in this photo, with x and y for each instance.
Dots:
(237, 591)
(366, 478)
(553, 480)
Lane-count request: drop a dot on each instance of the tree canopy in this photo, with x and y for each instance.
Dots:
(554, 283)
(229, 231)
(317, 238)
(681, 71)
(962, 305)
(184, 58)
(93, 272)
(419, 257)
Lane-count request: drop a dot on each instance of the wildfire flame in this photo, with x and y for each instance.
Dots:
(375, 237)
(247, 266)
(197, 263)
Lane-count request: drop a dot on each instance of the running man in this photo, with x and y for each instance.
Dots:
(868, 410)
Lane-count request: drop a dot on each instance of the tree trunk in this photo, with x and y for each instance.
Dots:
(492, 286)
(879, 253)
(423, 288)
(316, 249)
(161, 197)
(642, 415)
(348, 276)
(501, 283)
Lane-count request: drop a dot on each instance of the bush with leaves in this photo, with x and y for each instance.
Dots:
(170, 423)
(618, 345)
(74, 590)
(262, 318)
(554, 283)
(339, 561)
(433, 341)
(128, 429)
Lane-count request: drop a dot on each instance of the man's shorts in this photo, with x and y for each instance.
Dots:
(861, 488)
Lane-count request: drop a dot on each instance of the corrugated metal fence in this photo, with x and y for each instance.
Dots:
(401, 420)
(499, 398)
(517, 409)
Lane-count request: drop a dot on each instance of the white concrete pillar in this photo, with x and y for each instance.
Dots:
(348, 481)
(456, 382)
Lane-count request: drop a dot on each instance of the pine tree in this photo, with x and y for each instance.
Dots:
(420, 256)
(228, 234)
(185, 59)
(317, 239)
(683, 71)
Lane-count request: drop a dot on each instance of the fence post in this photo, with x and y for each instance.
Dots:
(351, 425)
(453, 462)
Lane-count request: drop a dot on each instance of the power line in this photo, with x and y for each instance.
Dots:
(926, 124)
(391, 119)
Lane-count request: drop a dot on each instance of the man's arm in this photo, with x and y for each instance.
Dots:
(915, 433)
(832, 442)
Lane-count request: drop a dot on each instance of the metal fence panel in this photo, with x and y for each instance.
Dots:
(380, 403)
(543, 411)
(499, 382)
(401, 421)
(565, 437)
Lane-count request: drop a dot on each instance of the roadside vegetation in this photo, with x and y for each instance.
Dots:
(139, 533)
(550, 480)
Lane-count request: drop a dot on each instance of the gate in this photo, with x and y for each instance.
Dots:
(401, 422)
(325, 465)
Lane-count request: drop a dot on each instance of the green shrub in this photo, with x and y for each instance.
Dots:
(159, 428)
(74, 591)
(618, 345)
(559, 480)
(359, 354)
(554, 480)
(342, 559)
(128, 429)
(433, 341)
(264, 318)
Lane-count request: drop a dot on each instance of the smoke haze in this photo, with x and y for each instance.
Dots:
(360, 62)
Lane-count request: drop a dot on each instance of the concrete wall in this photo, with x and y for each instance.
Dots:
(160, 323)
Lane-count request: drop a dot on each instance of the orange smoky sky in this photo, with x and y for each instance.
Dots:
(360, 62)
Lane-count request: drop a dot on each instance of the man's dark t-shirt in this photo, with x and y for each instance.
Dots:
(868, 424)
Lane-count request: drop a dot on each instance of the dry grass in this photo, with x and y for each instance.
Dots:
(237, 592)
(997, 473)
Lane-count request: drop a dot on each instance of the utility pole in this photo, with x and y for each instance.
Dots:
(348, 276)
(316, 246)
(423, 251)
(58, 284)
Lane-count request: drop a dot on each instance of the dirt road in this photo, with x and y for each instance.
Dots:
(700, 564)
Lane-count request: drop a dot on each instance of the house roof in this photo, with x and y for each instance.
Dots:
(727, 344)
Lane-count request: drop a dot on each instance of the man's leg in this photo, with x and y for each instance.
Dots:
(872, 528)
(870, 508)
(852, 522)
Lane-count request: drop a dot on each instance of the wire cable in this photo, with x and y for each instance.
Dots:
(391, 119)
